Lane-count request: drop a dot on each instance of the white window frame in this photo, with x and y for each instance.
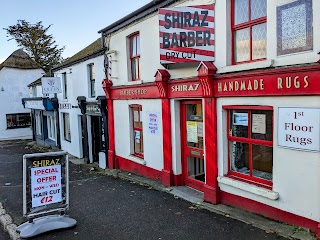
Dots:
(51, 128)
(66, 127)
(38, 124)
(91, 79)
(64, 86)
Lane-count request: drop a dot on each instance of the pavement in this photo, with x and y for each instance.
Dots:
(112, 204)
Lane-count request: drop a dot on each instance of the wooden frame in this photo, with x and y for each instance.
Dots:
(249, 24)
(197, 184)
(250, 141)
(135, 57)
(138, 108)
(92, 80)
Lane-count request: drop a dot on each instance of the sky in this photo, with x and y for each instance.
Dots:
(75, 23)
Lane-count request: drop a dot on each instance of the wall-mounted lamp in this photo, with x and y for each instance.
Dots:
(70, 70)
(2, 89)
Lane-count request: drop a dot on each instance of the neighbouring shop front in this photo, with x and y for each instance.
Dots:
(44, 115)
(94, 130)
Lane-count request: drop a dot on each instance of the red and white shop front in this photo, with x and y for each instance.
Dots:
(228, 135)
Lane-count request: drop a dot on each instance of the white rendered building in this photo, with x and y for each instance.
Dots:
(16, 73)
(225, 98)
(81, 107)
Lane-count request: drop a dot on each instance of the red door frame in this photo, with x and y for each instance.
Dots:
(196, 184)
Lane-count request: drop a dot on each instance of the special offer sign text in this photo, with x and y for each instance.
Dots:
(46, 185)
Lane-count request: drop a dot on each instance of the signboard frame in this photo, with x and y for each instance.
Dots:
(187, 34)
(298, 109)
(51, 85)
(28, 160)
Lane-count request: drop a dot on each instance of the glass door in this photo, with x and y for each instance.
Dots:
(192, 144)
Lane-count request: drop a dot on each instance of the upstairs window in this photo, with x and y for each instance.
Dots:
(249, 30)
(92, 79)
(250, 143)
(136, 111)
(135, 57)
(65, 86)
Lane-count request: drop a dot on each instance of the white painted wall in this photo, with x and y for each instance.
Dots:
(295, 173)
(149, 41)
(15, 87)
(153, 151)
(78, 85)
(72, 147)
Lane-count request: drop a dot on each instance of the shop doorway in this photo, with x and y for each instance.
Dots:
(192, 143)
(96, 137)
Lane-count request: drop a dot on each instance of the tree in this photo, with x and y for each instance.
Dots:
(37, 43)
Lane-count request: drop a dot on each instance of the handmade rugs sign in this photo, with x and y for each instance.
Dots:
(186, 34)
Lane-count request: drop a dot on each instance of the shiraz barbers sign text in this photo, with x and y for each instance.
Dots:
(186, 34)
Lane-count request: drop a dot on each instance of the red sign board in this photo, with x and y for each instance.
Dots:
(135, 92)
(186, 34)
(184, 89)
(291, 83)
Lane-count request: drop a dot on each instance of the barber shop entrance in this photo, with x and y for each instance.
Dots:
(192, 144)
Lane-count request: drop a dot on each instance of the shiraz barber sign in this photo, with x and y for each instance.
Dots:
(45, 183)
(186, 34)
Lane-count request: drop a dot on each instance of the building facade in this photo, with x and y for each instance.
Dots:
(44, 115)
(221, 96)
(16, 73)
(82, 108)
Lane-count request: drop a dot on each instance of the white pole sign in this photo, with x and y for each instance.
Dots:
(51, 85)
(299, 128)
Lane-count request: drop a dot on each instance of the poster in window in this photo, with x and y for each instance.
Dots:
(200, 129)
(259, 123)
(192, 132)
(240, 119)
(136, 116)
(153, 124)
(137, 134)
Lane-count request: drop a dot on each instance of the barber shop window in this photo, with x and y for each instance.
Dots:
(250, 143)
(136, 111)
(135, 56)
(18, 120)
